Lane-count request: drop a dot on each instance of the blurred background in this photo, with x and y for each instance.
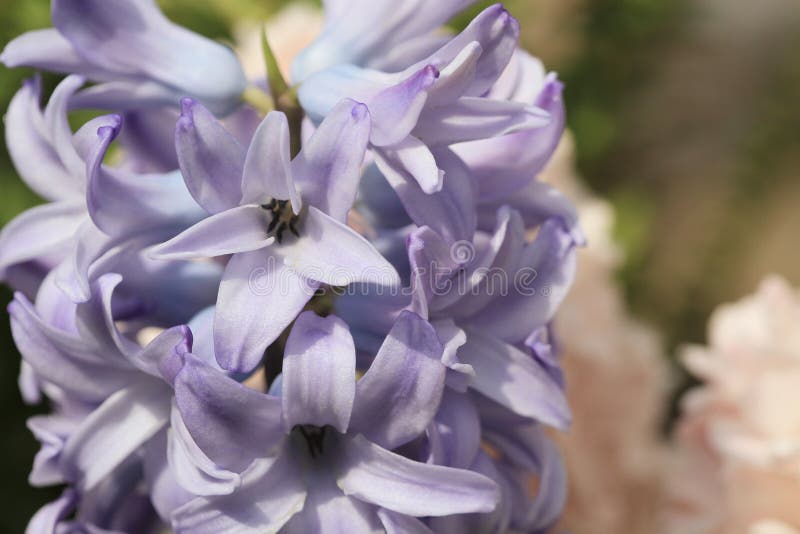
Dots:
(685, 117)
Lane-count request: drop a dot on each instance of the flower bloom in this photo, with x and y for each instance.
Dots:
(315, 308)
(140, 58)
(735, 469)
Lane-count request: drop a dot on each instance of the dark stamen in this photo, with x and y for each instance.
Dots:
(315, 437)
(282, 218)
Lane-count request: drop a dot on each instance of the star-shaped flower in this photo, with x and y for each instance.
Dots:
(320, 453)
(283, 221)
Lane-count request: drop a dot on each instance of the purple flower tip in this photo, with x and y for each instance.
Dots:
(431, 72)
(360, 111)
(553, 88)
(499, 9)
(578, 237)
(187, 342)
(505, 18)
(186, 120)
(6, 58)
(187, 105)
(109, 131)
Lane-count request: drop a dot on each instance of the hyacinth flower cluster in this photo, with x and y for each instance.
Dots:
(316, 305)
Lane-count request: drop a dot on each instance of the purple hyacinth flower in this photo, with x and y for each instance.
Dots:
(136, 54)
(79, 356)
(423, 412)
(450, 211)
(46, 155)
(116, 506)
(94, 207)
(465, 427)
(482, 176)
(433, 103)
(504, 164)
(282, 221)
(386, 35)
(319, 454)
(484, 299)
(498, 292)
(505, 167)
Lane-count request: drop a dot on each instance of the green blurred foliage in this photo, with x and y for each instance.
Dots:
(17, 447)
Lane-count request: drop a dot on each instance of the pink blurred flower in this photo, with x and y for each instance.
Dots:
(737, 466)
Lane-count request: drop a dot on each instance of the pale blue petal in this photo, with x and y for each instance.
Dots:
(114, 431)
(135, 39)
(512, 378)
(258, 298)
(211, 159)
(319, 384)
(328, 168)
(399, 395)
(267, 171)
(237, 230)
(271, 493)
(373, 474)
(330, 252)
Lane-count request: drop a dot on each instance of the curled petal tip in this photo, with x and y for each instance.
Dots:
(423, 78)
(7, 56)
(110, 126)
(431, 73)
(187, 106)
(553, 87)
(498, 9)
(108, 131)
(187, 339)
(504, 17)
(115, 121)
(360, 111)
(186, 120)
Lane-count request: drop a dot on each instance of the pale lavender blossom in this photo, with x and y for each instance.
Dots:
(140, 58)
(94, 207)
(435, 102)
(319, 454)
(80, 358)
(385, 35)
(166, 289)
(488, 303)
(279, 218)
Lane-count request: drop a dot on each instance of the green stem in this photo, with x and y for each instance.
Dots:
(288, 104)
(285, 97)
(258, 99)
